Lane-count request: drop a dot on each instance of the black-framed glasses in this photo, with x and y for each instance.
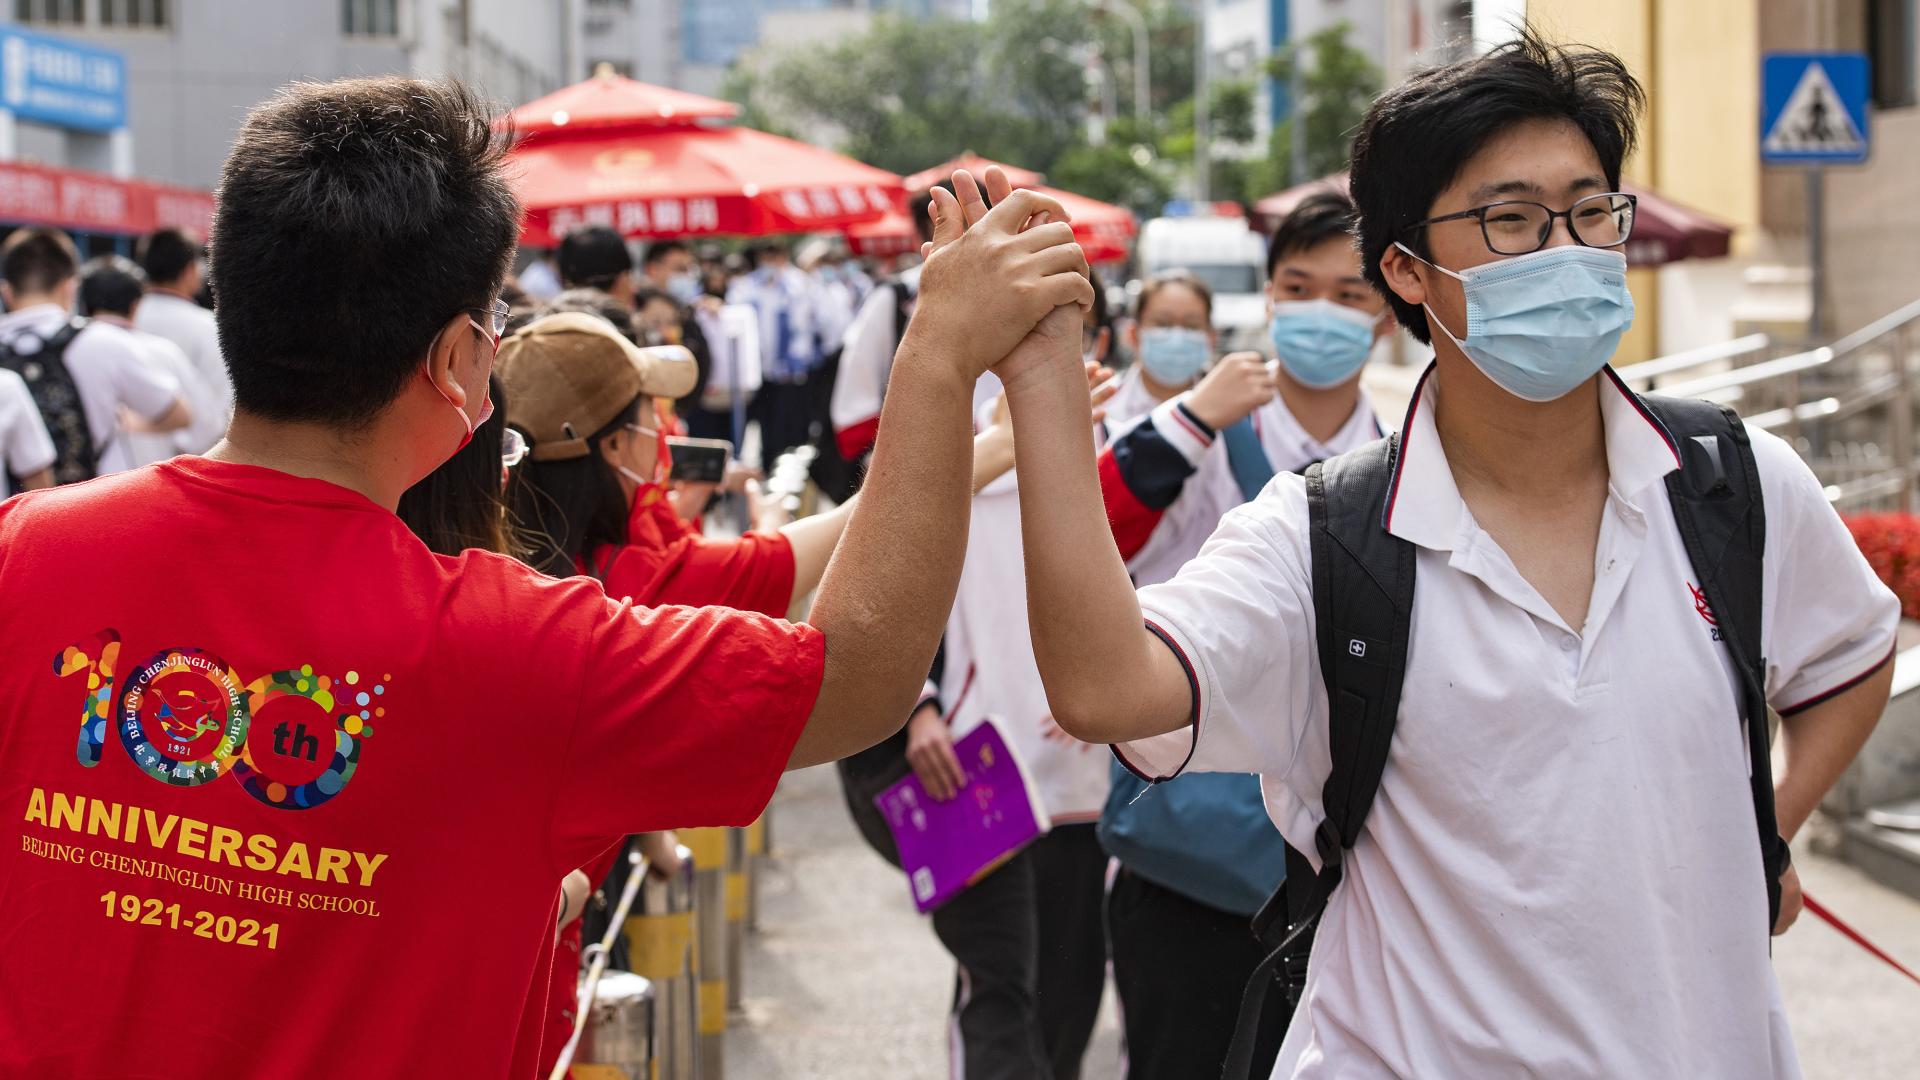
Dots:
(1521, 228)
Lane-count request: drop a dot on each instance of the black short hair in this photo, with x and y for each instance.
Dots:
(1418, 135)
(591, 256)
(111, 285)
(660, 249)
(166, 253)
(37, 259)
(1322, 216)
(355, 218)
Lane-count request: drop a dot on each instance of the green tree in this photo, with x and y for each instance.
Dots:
(1336, 83)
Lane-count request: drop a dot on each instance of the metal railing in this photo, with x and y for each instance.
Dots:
(1739, 350)
(1848, 407)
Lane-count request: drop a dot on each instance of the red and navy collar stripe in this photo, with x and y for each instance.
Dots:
(1645, 414)
(1400, 458)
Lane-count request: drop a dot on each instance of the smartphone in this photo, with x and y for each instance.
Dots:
(699, 461)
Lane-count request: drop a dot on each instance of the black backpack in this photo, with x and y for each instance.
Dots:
(836, 477)
(57, 396)
(1363, 593)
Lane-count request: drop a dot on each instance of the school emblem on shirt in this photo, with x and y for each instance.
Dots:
(182, 717)
(291, 738)
(1704, 609)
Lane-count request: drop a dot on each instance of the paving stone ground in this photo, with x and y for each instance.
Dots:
(846, 982)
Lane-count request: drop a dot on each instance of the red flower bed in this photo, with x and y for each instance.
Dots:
(1891, 543)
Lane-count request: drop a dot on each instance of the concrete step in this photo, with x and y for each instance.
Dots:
(1889, 855)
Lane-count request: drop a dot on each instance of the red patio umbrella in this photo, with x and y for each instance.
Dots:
(975, 164)
(609, 100)
(1663, 230)
(692, 181)
(1102, 229)
(639, 159)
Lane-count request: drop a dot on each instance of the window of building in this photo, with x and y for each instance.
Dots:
(370, 18)
(1893, 34)
(50, 12)
(144, 14)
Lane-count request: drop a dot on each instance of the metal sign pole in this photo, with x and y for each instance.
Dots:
(1817, 252)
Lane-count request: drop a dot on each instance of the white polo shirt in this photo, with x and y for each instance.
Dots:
(109, 371)
(990, 670)
(1559, 876)
(1213, 490)
(25, 446)
(194, 330)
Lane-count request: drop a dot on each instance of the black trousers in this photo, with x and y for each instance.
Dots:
(784, 413)
(1180, 967)
(1070, 878)
(1032, 960)
(1027, 938)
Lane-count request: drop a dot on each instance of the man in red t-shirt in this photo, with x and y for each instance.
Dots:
(279, 773)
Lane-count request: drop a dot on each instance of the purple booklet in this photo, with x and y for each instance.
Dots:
(947, 846)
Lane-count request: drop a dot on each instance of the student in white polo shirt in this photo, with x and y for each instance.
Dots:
(1559, 875)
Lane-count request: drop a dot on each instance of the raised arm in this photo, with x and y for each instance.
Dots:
(884, 599)
(1108, 678)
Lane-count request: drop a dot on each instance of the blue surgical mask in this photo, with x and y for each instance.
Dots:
(684, 288)
(1174, 355)
(1539, 325)
(1319, 342)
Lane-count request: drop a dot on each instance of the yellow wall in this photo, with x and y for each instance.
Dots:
(1699, 144)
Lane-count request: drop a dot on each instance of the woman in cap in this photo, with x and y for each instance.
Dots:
(592, 492)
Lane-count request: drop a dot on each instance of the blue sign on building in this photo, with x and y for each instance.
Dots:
(60, 82)
(1813, 108)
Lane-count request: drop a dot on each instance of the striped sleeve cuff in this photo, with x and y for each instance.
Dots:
(1182, 430)
(1816, 698)
(1164, 757)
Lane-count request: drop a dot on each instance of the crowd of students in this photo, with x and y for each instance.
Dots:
(105, 366)
(388, 624)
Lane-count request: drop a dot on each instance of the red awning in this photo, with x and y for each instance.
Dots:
(609, 100)
(92, 202)
(975, 164)
(692, 181)
(1663, 230)
(1103, 229)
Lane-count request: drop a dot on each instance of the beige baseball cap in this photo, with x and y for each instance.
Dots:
(568, 375)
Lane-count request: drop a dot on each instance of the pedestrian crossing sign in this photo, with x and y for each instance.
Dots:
(1813, 108)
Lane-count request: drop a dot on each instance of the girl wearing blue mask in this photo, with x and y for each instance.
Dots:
(1172, 339)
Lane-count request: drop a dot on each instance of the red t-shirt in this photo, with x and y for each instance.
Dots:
(316, 808)
(666, 561)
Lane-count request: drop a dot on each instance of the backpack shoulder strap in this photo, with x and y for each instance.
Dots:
(1721, 513)
(1363, 578)
(1246, 458)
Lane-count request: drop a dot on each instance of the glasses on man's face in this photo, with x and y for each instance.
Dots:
(513, 447)
(1521, 228)
(497, 317)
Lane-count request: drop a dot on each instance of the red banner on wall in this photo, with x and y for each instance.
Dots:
(92, 202)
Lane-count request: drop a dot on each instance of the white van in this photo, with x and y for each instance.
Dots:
(1223, 252)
